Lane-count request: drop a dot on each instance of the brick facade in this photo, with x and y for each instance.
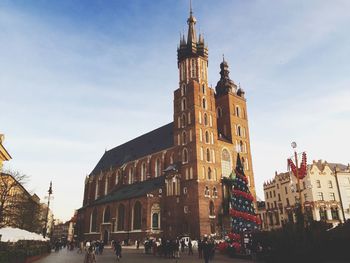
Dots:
(209, 126)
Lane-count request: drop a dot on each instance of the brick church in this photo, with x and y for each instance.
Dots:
(172, 181)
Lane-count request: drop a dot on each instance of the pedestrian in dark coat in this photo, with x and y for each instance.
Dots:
(200, 248)
(118, 250)
(207, 250)
(190, 251)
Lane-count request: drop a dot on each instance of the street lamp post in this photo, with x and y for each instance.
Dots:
(47, 211)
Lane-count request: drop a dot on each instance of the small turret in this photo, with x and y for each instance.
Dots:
(225, 84)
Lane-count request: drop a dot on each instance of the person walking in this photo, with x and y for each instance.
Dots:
(90, 256)
(177, 249)
(190, 251)
(118, 250)
(183, 244)
(207, 250)
(200, 248)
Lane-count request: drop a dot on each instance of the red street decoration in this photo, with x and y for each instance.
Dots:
(222, 246)
(243, 194)
(248, 217)
(301, 170)
(234, 236)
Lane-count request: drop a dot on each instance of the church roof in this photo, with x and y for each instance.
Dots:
(151, 142)
(132, 191)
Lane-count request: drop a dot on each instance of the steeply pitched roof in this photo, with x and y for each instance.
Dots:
(132, 191)
(152, 142)
(321, 165)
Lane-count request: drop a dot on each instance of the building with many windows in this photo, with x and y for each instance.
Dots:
(169, 182)
(324, 191)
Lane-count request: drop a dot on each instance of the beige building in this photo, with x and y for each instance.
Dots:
(343, 177)
(4, 155)
(319, 195)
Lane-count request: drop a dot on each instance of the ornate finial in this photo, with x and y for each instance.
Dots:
(191, 7)
(223, 57)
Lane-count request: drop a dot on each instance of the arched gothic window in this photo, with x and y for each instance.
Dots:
(183, 104)
(155, 221)
(184, 155)
(226, 165)
(206, 191)
(137, 216)
(155, 212)
(131, 175)
(183, 120)
(184, 137)
(200, 117)
(121, 217)
(239, 132)
(204, 103)
(208, 155)
(143, 171)
(215, 192)
(207, 140)
(209, 173)
(117, 177)
(238, 111)
(157, 168)
(211, 208)
(193, 68)
(203, 89)
(93, 221)
(205, 119)
(107, 215)
(183, 89)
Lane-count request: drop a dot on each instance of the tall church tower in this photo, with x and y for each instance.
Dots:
(195, 133)
(232, 120)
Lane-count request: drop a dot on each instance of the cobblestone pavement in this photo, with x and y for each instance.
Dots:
(130, 255)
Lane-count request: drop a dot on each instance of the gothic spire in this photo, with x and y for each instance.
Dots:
(191, 21)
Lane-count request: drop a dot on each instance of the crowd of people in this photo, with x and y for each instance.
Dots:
(166, 248)
(171, 248)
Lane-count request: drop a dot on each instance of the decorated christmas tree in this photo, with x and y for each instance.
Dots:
(242, 212)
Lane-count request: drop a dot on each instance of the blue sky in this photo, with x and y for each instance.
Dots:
(79, 77)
